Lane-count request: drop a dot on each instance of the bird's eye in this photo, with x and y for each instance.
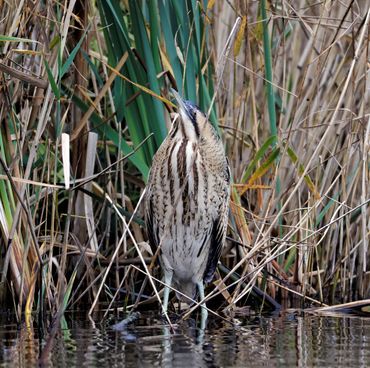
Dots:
(193, 115)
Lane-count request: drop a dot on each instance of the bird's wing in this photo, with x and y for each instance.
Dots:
(151, 227)
(218, 231)
(217, 240)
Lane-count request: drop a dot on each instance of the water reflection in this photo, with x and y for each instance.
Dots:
(287, 340)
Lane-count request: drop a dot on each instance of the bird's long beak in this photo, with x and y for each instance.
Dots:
(180, 102)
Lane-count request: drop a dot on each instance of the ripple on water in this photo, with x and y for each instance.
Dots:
(284, 340)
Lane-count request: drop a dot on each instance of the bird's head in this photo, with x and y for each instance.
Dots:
(193, 121)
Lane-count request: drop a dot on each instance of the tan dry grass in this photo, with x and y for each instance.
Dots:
(320, 70)
(304, 220)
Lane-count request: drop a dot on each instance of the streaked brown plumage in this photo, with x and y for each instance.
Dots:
(187, 201)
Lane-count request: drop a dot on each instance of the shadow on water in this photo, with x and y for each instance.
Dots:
(285, 340)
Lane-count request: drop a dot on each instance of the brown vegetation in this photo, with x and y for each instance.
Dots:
(293, 109)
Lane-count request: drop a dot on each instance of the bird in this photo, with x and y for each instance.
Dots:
(187, 204)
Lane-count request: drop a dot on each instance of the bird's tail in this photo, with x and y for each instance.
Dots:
(187, 288)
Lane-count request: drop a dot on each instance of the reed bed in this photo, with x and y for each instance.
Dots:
(85, 104)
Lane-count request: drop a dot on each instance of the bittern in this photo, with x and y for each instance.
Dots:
(186, 203)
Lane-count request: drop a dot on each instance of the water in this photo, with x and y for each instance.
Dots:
(285, 340)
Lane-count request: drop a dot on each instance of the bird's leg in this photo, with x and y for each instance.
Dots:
(204, 313)
(166, 293)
